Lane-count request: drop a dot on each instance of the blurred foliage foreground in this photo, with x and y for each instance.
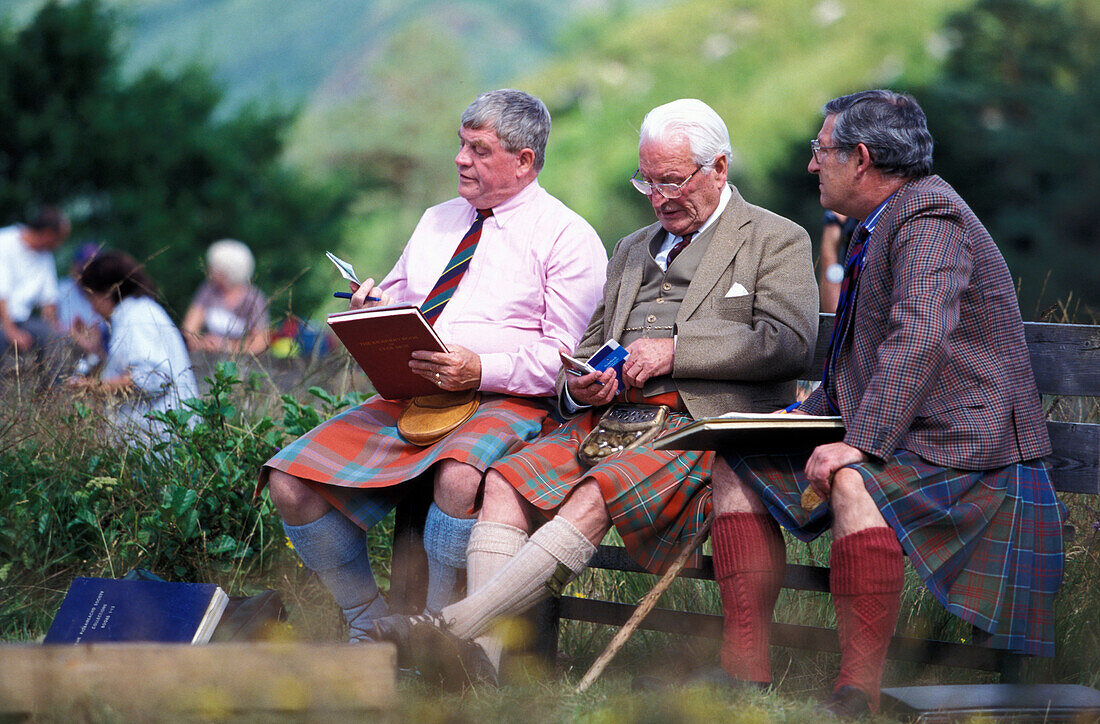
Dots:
(74, 503)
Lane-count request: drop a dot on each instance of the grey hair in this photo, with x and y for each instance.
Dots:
(705, 131)
(891, 125)
(231, 258)
(519, 119)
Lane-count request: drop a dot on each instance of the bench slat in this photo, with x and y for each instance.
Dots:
(1064, 357)
(902, 648)
(1075, 463)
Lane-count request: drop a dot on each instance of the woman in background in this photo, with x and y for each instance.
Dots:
(228, 314)
(145, 362)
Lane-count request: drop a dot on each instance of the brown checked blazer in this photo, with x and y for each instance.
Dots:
(732, 353)
(936, 362)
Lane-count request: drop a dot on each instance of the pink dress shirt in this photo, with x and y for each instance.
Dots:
(532, 285)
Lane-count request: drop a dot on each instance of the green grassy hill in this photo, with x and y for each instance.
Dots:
(379, 86)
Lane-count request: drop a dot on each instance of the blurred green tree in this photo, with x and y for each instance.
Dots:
(1014, 119)
(1016, 126)
(150, 164)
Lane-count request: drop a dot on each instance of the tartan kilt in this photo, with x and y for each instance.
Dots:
(987, 544)
(357, 459)
(657, 499)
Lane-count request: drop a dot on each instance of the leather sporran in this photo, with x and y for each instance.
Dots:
(430, 418)
(622, 427)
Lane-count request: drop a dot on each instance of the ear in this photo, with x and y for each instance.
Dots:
(525, 161)
(721, 168)
(864, 162)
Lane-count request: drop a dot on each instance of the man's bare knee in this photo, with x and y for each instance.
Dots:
(455, 488)
(502, 504)
(729, 492)
(296, 502)
(586, 509)
(853, 507)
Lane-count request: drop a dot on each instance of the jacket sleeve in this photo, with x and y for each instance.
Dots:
(931, 263)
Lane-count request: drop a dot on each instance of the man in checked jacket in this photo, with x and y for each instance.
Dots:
(941, 457)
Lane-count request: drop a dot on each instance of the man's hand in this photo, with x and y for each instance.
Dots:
(21, 339)
(593, 389)
(454, 370)
(648, 358)
(825, 460)
(360, 292)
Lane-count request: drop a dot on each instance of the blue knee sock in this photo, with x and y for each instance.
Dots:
(445, 540)
(336, 550)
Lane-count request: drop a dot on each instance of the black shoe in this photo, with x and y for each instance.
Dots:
(424, 644)
(848, 702)
(395, 628)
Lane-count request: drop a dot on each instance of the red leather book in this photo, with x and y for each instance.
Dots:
(382, 340)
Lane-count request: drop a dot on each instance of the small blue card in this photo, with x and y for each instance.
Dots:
(610, 356)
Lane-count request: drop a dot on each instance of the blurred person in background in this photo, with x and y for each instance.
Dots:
(228, 313)
(836, 230)
(28, 280)
(72, 302)
(145, 363)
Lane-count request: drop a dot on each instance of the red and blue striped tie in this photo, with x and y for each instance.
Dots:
(444, 289)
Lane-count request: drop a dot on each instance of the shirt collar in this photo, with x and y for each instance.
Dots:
(872, 218)
(506, 209)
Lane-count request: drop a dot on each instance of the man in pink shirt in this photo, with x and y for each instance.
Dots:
(535, 276)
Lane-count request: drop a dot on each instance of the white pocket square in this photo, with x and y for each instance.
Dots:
(737, 290)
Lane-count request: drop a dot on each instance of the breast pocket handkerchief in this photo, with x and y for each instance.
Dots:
(737, 290)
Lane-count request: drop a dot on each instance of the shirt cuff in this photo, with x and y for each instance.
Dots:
(570, 407)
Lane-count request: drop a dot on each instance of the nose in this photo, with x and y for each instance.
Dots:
(813, 166)
(462, 158)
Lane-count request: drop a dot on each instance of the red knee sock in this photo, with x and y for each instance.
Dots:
(749, 561)
(866, 578)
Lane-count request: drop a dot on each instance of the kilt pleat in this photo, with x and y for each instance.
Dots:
(987, 544)
(657, 499)
(355, 459)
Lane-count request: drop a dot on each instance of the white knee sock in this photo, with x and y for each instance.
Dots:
(555, 554)
(491, 546)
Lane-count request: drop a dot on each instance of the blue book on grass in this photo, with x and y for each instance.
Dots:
(109, 609)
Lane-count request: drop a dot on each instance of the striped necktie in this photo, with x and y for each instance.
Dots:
(680, 246)
(845, 313)
(444, 289)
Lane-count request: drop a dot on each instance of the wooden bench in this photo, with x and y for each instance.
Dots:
(1066, 361)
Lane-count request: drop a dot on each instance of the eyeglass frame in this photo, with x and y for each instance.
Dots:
(647, 188)
(816, 148)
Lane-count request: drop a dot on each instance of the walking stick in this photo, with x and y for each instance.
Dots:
(643, 608)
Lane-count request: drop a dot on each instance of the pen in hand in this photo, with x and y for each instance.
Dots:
(347, 295)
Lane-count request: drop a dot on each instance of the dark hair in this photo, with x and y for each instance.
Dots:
(892, 125)
(47, 218)
(118, 274)
(519, 119)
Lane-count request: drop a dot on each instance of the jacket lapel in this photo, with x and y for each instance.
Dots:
(632, 277)
(729, 235)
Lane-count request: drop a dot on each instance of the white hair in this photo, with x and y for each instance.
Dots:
(232, 259)
(694, 120)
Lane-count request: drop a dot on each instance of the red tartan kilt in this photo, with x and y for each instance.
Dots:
(657, 499)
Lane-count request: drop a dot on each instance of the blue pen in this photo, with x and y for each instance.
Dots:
(347, 295)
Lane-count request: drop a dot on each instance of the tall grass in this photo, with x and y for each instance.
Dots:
(76, 501)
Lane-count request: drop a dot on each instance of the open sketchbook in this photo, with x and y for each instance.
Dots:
(756, 432)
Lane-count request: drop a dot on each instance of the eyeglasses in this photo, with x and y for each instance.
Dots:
(819, 151)
(669, 191)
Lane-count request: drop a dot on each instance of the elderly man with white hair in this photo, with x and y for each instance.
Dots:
(228, 313)
(717, 305)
